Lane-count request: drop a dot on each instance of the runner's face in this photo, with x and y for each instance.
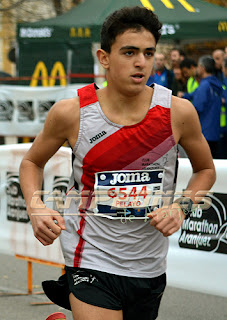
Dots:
(131, 60)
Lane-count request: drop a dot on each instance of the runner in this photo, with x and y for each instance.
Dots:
(124, 143)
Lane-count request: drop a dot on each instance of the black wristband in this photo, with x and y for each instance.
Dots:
(186, 205)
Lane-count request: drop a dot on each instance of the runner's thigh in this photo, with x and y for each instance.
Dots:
(85, 311)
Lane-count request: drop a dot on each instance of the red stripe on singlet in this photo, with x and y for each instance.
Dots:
(127, 145)
(80, 247)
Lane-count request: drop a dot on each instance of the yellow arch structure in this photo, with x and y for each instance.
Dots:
(40, 71)
(58, 70)
(168, 4)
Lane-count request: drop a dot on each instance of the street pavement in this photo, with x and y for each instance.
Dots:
(177, 304)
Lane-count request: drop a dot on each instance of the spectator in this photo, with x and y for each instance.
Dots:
(218, 56)
(151, 78)
(225, 71)
(223, 119)
(207, 101)
(189, 71)
(162, 75)
(225, 50)
(179, 82)
(176, 56)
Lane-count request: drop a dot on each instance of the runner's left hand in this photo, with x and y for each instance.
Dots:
(167, 219)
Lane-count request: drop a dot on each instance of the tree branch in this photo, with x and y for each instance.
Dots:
(12, 6)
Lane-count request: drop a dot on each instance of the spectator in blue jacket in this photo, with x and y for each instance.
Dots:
(162, 75)
(207, 99)
(223, 119)
(218, 56)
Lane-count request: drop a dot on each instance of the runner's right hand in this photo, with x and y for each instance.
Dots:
(47, 224)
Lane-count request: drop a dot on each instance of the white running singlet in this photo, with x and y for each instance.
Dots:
(117, 173)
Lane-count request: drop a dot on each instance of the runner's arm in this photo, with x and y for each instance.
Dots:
(188, 134)
(62, 120)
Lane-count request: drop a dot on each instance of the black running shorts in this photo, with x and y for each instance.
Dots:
(139, 298)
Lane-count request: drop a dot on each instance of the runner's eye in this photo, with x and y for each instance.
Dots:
(149, 54)
(129, 53)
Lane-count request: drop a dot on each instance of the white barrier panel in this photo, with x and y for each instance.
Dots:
(197, 256)
(23, 110)
(16, 234)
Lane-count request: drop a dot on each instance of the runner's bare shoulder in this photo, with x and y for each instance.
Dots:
(63, 118)
(66, 110)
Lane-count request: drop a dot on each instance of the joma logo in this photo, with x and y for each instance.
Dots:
(99, 135)
(130, 177)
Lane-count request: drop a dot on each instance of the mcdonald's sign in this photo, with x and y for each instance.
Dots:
(41, 73)
(80, 32)
(222, 26)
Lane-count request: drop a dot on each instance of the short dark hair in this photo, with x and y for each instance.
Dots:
(188, 63)
(128, 18)
(180, 51)
(208, 63)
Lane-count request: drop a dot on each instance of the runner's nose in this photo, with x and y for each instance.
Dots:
(140, 60)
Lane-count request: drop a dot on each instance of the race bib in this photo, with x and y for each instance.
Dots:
(127, 193)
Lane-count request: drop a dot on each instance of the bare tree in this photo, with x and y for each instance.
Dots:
(12, 5)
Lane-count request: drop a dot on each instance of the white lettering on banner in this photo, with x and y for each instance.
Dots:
(36, 32)
(200, 226)
(196, 240)
(206, 229)
(169, 29)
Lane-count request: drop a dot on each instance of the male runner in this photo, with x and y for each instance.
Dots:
(124, 142)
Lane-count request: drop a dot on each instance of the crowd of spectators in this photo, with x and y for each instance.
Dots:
(204, 83)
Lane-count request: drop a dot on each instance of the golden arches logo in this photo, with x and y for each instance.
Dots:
(41, 73)
(57, 70)
(222, 26)
(147, 4)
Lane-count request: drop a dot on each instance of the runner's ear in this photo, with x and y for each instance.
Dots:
(103, 58)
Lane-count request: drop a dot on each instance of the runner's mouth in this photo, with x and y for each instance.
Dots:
(138, 76)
